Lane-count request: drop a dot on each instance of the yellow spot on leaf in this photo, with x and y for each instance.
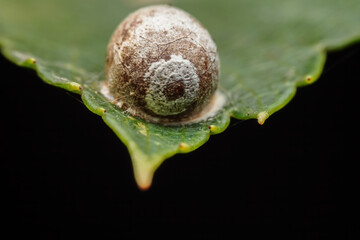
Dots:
(213, 128)
(101, 111)
(262, 116)
(73, 86)
(309, 79)
(184, 147)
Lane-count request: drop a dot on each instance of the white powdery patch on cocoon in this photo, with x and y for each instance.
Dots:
(176, 23)
(164, 74)
(169, 18)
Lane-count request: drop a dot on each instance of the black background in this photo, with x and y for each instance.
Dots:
(63, 170)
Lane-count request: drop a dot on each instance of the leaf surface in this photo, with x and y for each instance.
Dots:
(267, 50)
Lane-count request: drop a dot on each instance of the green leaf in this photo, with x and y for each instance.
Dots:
(267, 50)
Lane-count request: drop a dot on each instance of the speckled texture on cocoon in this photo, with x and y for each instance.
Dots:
(162, 63)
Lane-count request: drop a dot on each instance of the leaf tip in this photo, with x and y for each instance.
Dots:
(144, 186)
(262, 116)
(143, 177)
(144, 169)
